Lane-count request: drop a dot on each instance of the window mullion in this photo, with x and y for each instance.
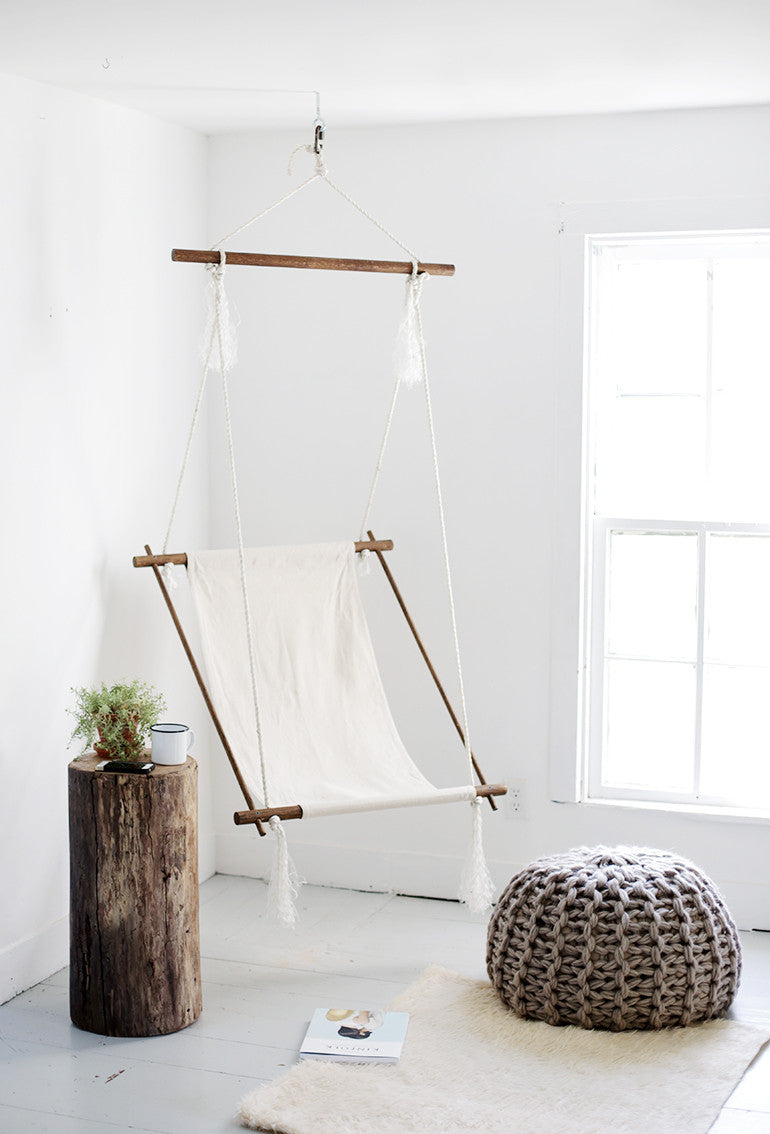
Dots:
(596, 691)
(699, 651)
(709, 380)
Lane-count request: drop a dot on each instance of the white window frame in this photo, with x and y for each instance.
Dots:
(603, 527)
(572, 553)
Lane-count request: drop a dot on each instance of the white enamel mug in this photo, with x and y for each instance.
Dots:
(171, 743)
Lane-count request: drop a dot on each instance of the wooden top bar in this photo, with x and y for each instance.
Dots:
(180, 557)
(327, 263)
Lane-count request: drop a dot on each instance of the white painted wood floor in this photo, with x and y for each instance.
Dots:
(260, 985)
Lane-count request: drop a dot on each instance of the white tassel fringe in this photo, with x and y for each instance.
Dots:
(476, 887)
(220, 323)
(284, 881)
(169, 577)
(407, 355)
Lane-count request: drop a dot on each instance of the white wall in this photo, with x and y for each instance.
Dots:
(98, 376)
(99, 364)
(310, 400)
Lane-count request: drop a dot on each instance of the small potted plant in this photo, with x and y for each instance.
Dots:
(116, 720)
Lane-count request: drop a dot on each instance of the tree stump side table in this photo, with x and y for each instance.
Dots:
(134, 936)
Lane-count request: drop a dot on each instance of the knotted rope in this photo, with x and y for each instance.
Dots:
(476, 887)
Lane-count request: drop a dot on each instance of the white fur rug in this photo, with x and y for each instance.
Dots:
(470, 1064)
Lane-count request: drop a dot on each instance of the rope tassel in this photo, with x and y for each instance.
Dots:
(284, 881)
(476, 887)
(168, 576)
(408, 353)
(220, 323)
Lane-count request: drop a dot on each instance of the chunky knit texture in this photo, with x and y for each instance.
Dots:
(614, 938)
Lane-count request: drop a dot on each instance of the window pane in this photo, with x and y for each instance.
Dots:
(735, 748)
(738, 600)
(741, 342)
(651, 457)
(679, 400)
(653, 585)
(652, 338)
(650, 734)
(740, 458)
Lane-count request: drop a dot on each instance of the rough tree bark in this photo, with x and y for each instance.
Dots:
(134, 938)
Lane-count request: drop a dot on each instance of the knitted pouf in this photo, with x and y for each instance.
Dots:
(614, 938)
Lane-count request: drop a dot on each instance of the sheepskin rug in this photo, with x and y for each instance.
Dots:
(470, 1064)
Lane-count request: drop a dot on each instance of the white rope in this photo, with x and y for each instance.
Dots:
(380, 458)
(218, 316)
(166, 569)
(219, 272)
(444, 544)
(333, 185)
(226, 352)
(321, 174)
(476, 888)
(284, 881)
(282, 200)
(320, 168)
(284, 884)
(407, 354)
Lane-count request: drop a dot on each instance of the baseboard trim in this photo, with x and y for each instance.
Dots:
(399, 872)
(25, 963)
(424, 875)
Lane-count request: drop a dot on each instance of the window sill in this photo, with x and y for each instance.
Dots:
(691, 810)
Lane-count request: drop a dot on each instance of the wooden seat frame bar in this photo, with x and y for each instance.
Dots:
(260, 816)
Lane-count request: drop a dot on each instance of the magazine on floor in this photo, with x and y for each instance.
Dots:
(355, 1035)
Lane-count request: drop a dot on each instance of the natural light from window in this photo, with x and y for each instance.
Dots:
(677, 622)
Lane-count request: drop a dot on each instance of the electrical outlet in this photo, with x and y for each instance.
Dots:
(515, 802)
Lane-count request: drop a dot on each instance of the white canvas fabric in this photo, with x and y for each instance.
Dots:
(329, 740)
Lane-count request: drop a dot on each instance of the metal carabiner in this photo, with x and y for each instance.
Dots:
(319, 129)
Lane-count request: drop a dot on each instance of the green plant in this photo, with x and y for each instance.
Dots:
(120, 716)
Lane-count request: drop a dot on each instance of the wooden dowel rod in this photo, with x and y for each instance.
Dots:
(373, 545)
(294, 811)
(488, 790)
(429, 663)
(328, 263)
(202, 686)
(180, 557)
(264, 814)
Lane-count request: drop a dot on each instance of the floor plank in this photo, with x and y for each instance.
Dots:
(260, 986)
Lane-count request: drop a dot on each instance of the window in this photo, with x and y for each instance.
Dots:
(677, 617)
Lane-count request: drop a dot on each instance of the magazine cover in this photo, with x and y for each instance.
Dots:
(356, 1035)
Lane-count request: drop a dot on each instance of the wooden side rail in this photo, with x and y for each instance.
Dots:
(327, 263)
(431, 669)
(201, 683)
(294, 811)
(180, 557)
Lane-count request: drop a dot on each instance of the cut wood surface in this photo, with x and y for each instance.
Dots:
(134, 937)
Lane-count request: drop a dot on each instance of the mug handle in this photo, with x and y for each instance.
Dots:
(191, 740)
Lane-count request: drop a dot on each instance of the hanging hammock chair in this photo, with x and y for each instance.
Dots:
(292, 685)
